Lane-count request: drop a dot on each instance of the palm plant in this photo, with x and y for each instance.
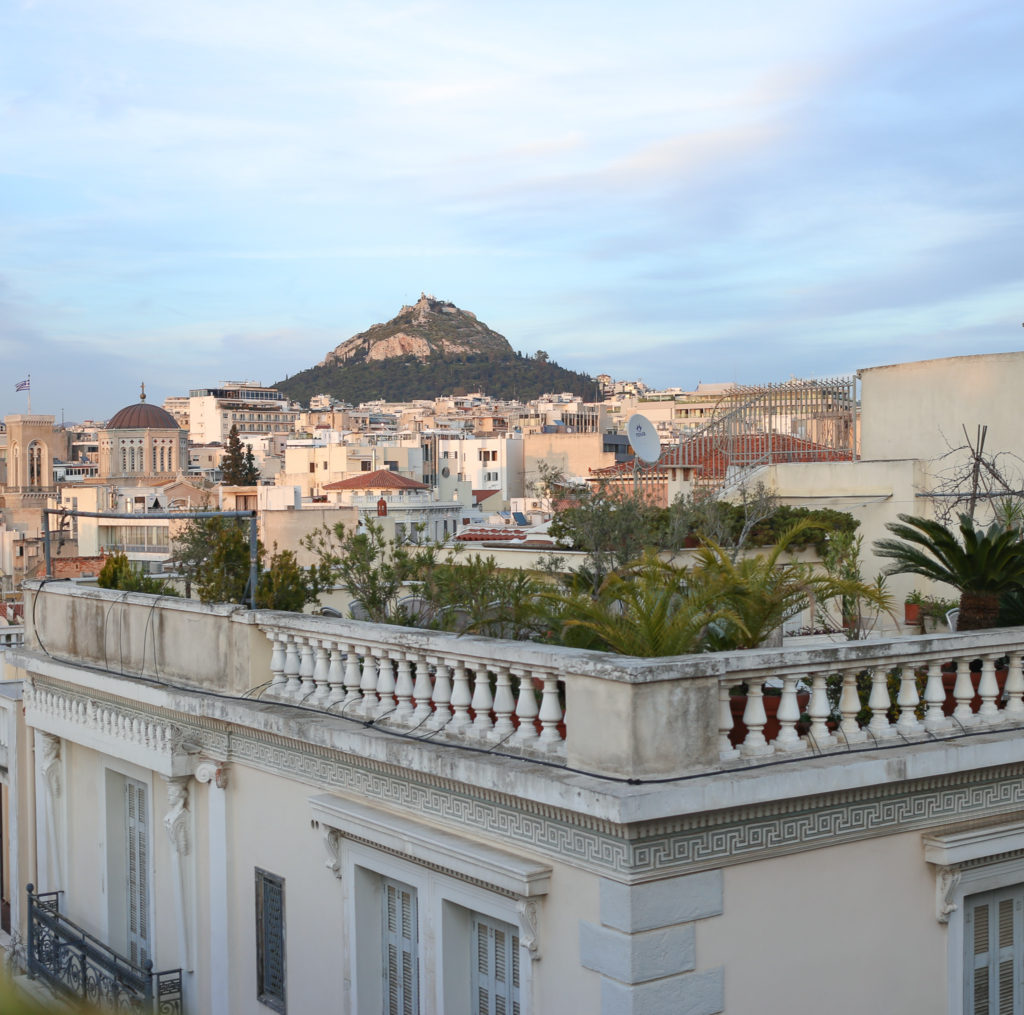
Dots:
(648, 609)
(983, 564)
(764, 591)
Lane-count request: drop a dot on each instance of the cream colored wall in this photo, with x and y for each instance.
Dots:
(288, 528)
(909, 410)
(837, 930)
(268, 818)
(874, 492)
(575, 454)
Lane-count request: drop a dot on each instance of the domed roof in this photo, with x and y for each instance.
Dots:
(142, 416)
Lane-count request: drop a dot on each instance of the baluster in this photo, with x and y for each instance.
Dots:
(526, 708)
(335, 677)
(963, 691)
(353, 676)
(320, 674)
(461, 698)
(403, 691)
(482, 701)
(754, 744)
(988, 691)
(306, 687)
(442, 696)
(385, 686)
(935, 720)
(422, 690)
(726, 751)
(1014, 688)
(368, 682)
(849, 706)
(550, 710)
(878, 702)
(908, 699)
(788, 739)
(818, 710)
(504, 702)
(291, 667)
(278, 678)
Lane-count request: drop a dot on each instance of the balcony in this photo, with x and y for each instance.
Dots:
(575, 711)
(77, 965)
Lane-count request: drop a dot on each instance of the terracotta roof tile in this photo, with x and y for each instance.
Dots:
(382, 479)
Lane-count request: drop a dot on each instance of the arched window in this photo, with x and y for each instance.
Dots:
(124, 459)
(131, 458)
(35, 464)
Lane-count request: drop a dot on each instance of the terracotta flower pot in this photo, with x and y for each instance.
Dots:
(912, 613)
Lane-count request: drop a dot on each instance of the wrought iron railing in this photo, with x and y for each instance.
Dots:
(78, 965)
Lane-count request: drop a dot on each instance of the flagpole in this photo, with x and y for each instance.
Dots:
(30, 394)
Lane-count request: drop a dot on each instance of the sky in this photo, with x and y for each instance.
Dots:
(194, 192)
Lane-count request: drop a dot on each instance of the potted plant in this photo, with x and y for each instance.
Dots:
(912, 608)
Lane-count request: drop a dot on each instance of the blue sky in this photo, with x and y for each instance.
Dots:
(193, 192)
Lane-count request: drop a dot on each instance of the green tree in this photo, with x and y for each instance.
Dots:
(286, 585)
(117, 573)
(983, 564)
(238, 466)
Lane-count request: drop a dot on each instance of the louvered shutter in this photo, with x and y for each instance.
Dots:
(495, 980)
(401, 948)
(137, 869)
(994, 959)
(270, 959)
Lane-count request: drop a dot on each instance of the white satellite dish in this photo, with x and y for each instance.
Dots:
(644, 438)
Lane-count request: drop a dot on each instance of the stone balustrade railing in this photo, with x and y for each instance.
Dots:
(873, 694)
(622, 717)
(11, 637)
(430, 684)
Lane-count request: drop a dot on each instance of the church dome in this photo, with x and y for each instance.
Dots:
(142, 416)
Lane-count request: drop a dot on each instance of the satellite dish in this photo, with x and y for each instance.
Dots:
(644, 438)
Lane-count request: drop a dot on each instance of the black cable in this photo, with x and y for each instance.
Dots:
(490, 751)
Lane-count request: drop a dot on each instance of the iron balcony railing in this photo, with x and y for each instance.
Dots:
(78, 965)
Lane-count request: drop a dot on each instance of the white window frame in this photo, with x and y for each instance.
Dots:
(454, 878)
(969, 863)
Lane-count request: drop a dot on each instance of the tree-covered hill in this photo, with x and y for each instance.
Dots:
(429, 349)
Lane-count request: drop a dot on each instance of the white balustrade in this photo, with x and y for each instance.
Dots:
(852, 697)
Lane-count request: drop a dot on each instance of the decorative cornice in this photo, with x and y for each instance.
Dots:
(170, 741)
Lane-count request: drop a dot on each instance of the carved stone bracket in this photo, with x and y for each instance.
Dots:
(527, 910)
(214, 772)
(50, 762)
(176, 820)
(946, 880)
(332, 844)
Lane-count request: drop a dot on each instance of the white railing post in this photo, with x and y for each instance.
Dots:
(818, 710)
(754, 744)
(789, 740)
(550, 710)
(291, 667)
(878, 701)
(320, 668)
(726, 751)
(461, 698)
(504, 703)
(849, 706)
(988, 691)
(526, 708)
(1014, 688)
(442, 696)
(385, 686)
(403, 691)
(306, 687)
(482, 701)
(335, 677)
(963, 691)
(908, 699)
(935, 719)
(422, 689)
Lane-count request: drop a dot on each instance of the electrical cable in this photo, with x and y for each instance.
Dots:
(491, 750)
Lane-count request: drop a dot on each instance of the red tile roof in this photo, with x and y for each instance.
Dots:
(382, 479)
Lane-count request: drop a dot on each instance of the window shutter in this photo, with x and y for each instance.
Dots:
(994, 945)
(401, 949)
(137, 869)
(495, 981)
(270, 982)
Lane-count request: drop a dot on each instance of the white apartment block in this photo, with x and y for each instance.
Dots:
(251, 407)
(485, 463)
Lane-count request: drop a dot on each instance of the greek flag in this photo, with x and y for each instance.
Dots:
(22, 385)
